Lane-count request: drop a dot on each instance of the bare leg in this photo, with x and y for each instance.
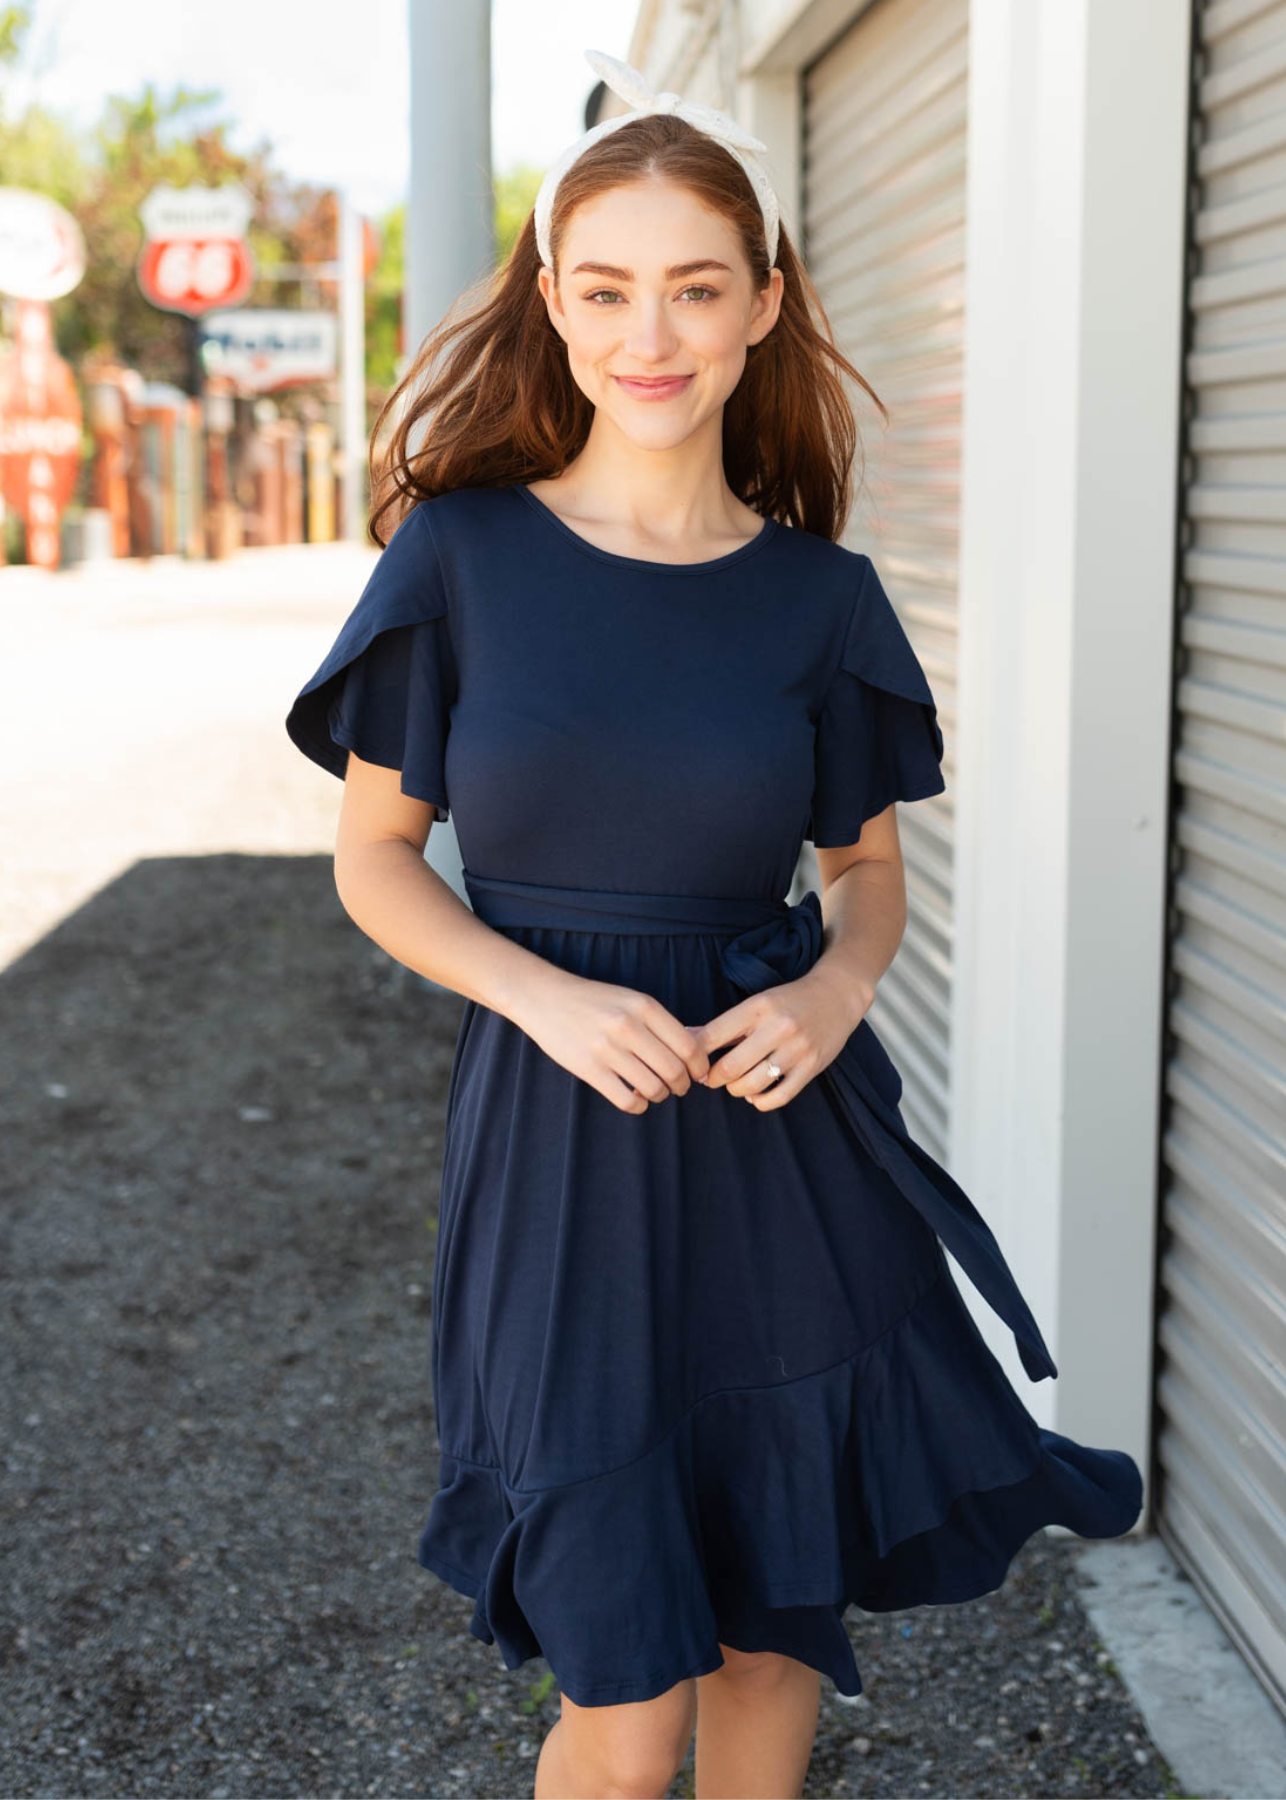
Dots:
(628, 1752)
(756, 1722)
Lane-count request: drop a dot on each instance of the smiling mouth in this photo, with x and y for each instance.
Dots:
(652, 384)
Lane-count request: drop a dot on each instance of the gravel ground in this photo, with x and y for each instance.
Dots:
(221, 1109)
(222, 1112)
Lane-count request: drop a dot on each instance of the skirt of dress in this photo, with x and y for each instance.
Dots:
(703, 1375)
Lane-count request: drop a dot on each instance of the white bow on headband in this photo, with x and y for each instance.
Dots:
(630, 85)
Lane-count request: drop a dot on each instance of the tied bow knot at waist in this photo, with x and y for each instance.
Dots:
(770, 942)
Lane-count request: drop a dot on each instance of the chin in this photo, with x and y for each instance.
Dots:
(656, 440)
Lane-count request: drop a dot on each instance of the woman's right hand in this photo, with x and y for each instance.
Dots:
(622, 1042)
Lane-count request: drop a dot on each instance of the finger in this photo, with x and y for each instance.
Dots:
(684, 1041)
(610, 1085)
(700, 1063)
(656, 1056)
(737, 1062)
(622, 1097)
(756, 1077)
(727, 1026)
(690, 1061)
(780, 1093)
(641, 1077)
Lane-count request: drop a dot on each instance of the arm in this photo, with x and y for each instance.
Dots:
(864, 906)
(624, 1043)
(390, 892)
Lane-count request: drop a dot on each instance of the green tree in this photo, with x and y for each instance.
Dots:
(15, 22)
(176, 138)
(179, 138)
(384, 303)
(515, 192)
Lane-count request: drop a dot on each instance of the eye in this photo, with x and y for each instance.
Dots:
(597, 295)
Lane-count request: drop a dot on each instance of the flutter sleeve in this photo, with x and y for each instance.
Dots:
(386, 686)
(878, 738)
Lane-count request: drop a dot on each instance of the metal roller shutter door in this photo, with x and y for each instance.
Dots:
(884, 114)
(1221, 1293)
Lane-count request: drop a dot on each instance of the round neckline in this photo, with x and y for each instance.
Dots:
(642, 562)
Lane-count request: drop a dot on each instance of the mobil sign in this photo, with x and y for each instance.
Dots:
(195, 255)
(263, 348)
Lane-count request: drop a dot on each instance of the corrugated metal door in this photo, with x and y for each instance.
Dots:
(884, 113)
(1220, 1478)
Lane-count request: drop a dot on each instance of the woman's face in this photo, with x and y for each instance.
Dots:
(656, 307)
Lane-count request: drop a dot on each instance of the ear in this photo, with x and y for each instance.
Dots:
(553, 302)
(767, 306)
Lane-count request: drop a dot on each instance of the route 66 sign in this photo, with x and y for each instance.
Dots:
(195, 256)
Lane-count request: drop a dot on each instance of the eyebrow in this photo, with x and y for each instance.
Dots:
(673, 273)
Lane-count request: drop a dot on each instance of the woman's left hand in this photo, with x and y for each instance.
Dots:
(801, 1026)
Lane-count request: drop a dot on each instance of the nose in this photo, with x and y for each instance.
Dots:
(653, 338)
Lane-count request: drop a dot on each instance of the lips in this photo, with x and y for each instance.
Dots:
(660, 389)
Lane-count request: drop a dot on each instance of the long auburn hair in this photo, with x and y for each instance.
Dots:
(491, 400)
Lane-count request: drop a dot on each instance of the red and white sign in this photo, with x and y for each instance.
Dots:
(40, 423)
(195, 256)
(42, 249)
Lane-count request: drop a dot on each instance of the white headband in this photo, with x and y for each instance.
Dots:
(631, 86)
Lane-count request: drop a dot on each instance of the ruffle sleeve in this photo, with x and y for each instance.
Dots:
(386, 687)
(878, 738)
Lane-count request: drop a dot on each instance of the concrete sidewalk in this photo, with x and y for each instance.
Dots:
(144, 710)
(1206, 1710)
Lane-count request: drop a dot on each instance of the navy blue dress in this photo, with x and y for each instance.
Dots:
(703, 1374)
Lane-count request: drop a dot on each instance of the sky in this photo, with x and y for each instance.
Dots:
(325, 81)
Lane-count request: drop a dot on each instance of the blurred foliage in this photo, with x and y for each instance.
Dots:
(15, 22)
(103, 175)
(384, 303)
(515, 196)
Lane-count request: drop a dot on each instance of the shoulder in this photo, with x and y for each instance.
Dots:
(844, 593)
(834, 574)
(867, 636)
(461, 510)
(821, 554)
(458, 524)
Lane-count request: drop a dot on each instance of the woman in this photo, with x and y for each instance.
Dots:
(702, 1376)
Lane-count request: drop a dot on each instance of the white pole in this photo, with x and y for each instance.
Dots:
(352, 319)
(450, 212)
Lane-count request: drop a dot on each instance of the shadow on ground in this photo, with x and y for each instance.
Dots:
(221, 1108)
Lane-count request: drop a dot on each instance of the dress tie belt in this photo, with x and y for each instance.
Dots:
(769, 942)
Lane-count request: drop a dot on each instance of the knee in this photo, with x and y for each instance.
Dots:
(639, 1773)
(631, 1759)
(637, 1781)
(754, 1670)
